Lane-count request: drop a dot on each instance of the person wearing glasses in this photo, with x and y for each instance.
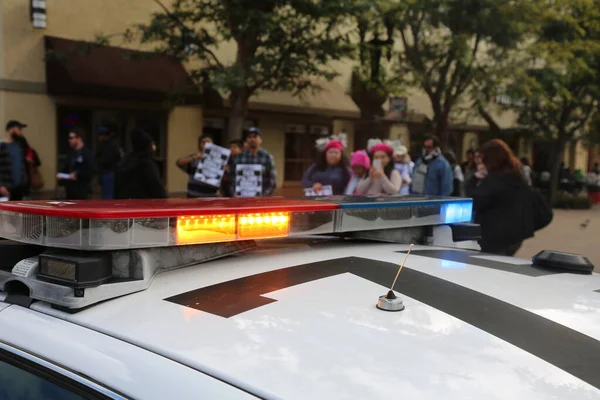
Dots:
(76, 175)
(432, 174)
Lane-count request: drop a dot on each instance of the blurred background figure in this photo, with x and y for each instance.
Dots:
(405, 166)
(502, 201)
(383, 177)
(527, 171)
(189, 165)
(458, 183)
(137, 175)
(360, 164)
(107, 159)
(332, 168)
(468, 166)
(77, 173)
(236, 147)
(432, 175)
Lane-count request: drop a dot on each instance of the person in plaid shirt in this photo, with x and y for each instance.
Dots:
(256, 155)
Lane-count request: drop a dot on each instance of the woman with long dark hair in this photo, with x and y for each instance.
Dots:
(383, 177)
(502, 201)
(332, 168)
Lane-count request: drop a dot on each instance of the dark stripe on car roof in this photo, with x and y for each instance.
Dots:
(567, 349)
(465, 257)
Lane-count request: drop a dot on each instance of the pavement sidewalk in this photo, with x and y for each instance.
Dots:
(567, 234)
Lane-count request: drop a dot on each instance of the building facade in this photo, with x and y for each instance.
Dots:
(96, 86)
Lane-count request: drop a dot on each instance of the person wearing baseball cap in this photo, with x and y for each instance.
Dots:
(256, 155)
(331, 169)
(13, 167)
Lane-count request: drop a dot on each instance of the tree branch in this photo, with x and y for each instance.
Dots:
(188, 30)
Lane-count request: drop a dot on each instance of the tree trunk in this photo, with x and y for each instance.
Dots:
(441, 128)
(237, 115)
(557, 156)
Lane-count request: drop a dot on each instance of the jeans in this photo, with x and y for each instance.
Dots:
(107, 181)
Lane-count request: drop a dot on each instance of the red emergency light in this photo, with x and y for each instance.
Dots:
(109, 225)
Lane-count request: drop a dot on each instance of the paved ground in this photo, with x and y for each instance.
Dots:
(565, 233)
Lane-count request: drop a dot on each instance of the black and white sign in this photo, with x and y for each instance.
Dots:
(326, 190)
(212, 167)
(248, 180)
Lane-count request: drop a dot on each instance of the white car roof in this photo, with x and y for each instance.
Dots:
(299, 321)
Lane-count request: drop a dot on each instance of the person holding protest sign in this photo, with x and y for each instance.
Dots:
(331, 170)
(253, 173)
(189, 165)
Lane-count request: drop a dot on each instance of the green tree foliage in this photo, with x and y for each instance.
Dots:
(449, 46)
(559, 92)
(280, 45)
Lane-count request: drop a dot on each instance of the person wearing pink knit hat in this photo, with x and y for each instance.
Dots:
(332, 169)
(383, 177)
(360, 163)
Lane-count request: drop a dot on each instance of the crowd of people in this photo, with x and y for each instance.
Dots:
(505, 206)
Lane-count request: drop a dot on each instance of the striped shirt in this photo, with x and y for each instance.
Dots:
(195, 188)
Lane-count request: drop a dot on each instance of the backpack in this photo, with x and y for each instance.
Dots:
(542, 212)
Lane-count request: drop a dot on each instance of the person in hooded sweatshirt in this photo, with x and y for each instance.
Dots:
(137, 175)
(502, 201)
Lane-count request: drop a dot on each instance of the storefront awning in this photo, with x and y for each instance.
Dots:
(75, 68)
(331, 101)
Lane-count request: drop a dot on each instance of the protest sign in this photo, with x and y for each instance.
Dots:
(248, 180)
(212, 166)
(326, 190)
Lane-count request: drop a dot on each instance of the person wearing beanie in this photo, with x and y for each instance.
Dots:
(383, 177)
(360, 163)
(137, 175)
(332, 168)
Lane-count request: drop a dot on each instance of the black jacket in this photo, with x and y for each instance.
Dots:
(502, 203)
(109, 155)
(137, 175)
(81, 162)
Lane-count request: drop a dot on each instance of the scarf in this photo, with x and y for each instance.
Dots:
(428, 157)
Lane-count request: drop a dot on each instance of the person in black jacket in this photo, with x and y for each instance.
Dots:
(137, 175)
(502, 201)
(77, 172)
(107, 158)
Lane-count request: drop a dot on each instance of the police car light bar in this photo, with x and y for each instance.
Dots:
(134, 224)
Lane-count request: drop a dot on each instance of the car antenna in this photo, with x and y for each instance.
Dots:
(389, 301)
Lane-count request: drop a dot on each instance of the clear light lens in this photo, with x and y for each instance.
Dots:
(57, 268)
(457, 212)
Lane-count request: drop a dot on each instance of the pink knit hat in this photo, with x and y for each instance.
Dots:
(360, 158)
(334, 144)
(386, 148)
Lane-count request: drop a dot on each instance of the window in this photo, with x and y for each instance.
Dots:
(300, 150)
(29, 378)
(18, 384)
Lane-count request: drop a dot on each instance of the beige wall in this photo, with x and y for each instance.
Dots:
(341, 125)
(184, 127)
(22, 57)
(400, 131)
(470, 141)
(272, 129)
(581, 155)
(39, 113)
